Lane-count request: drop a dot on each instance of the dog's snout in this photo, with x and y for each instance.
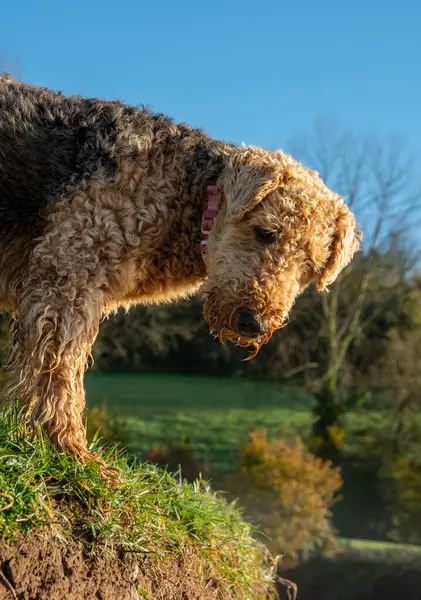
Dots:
(249, 325)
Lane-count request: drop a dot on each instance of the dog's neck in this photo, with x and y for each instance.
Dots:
(204, 166)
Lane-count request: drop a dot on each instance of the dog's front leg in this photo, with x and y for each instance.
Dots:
(57, 319)
(52, 338)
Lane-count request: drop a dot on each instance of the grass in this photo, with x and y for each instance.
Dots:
(151, 512)
(215, 414)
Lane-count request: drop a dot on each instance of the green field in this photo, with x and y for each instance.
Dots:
(215, 414)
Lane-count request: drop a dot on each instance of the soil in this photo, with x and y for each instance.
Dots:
(42, 566)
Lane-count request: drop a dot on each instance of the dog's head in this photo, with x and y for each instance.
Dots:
(279, 229)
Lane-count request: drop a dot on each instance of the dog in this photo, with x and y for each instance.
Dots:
(103, 205)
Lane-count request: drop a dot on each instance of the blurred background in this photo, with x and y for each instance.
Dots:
(319, 436)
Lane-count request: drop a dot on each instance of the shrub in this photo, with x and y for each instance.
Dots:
(401, 479)
(289, 492)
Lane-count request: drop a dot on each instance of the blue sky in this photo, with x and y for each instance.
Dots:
(258, 72)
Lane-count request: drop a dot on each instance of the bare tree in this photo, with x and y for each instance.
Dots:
(377, 178)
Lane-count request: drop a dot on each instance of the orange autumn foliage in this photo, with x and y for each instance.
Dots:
(289, 492)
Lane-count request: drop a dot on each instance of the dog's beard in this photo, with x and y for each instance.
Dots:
(254, 343)
(221, 314)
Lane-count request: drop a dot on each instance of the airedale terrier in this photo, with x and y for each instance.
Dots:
(104, 205)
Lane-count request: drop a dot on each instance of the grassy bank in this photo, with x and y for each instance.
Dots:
(168, 531)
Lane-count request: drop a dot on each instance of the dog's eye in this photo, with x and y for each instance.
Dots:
(266, 236)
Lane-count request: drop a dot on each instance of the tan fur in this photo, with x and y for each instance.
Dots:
(137, 240)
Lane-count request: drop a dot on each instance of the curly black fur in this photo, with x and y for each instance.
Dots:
(52, 145)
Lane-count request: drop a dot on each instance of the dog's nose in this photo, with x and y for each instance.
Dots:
(248, 325)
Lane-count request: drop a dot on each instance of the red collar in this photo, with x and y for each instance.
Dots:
(209, 215)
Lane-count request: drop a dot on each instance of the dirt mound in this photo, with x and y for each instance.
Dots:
(43, 567)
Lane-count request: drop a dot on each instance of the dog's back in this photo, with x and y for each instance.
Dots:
(50, 144)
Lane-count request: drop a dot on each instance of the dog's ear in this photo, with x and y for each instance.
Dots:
(246, 184)
(346, 243)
